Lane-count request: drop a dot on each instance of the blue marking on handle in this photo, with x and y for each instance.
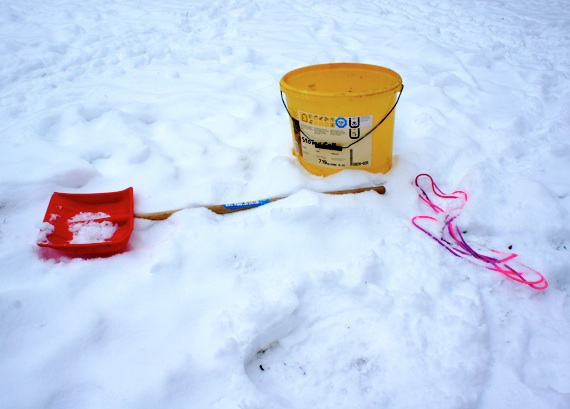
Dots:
(246, 205)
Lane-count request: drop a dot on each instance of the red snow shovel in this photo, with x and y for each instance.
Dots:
(100, 224)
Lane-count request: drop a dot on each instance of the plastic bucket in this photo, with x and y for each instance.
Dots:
(342, 116)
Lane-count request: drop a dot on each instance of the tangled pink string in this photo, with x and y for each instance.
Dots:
(452, 239)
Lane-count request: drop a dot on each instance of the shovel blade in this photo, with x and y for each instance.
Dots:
(88, 224)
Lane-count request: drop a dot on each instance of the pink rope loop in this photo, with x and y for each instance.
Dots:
(451, 238)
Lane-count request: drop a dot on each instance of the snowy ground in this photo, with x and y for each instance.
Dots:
(314, 301)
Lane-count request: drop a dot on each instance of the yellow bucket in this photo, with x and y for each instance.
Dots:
(342, 116)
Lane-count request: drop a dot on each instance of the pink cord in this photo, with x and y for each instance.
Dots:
(451, 238)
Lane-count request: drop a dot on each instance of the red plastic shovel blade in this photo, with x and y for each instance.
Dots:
(94, 224)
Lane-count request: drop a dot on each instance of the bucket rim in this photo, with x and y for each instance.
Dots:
(287, 87)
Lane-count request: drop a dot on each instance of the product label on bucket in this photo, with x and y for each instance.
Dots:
(329, 141)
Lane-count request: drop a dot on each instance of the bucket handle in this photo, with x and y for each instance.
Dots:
(319, 145)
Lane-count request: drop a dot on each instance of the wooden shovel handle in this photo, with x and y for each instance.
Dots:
(236, 207)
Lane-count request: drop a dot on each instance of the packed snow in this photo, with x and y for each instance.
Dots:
(313, 301)
(46, 229)
(86, 228)
(88, 217)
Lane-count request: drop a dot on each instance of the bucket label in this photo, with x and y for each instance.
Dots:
(324, 140)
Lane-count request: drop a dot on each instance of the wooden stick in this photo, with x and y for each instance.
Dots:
(236, 207)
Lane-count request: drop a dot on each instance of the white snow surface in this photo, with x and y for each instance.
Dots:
(86, 228)
(87, 217)
(92, 232)
(314, 301)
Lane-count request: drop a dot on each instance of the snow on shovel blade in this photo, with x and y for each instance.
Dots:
(93, 224)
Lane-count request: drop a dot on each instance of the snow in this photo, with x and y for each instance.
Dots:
(86, 229)
(45, 230)
(88, 217)
(314, 300)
